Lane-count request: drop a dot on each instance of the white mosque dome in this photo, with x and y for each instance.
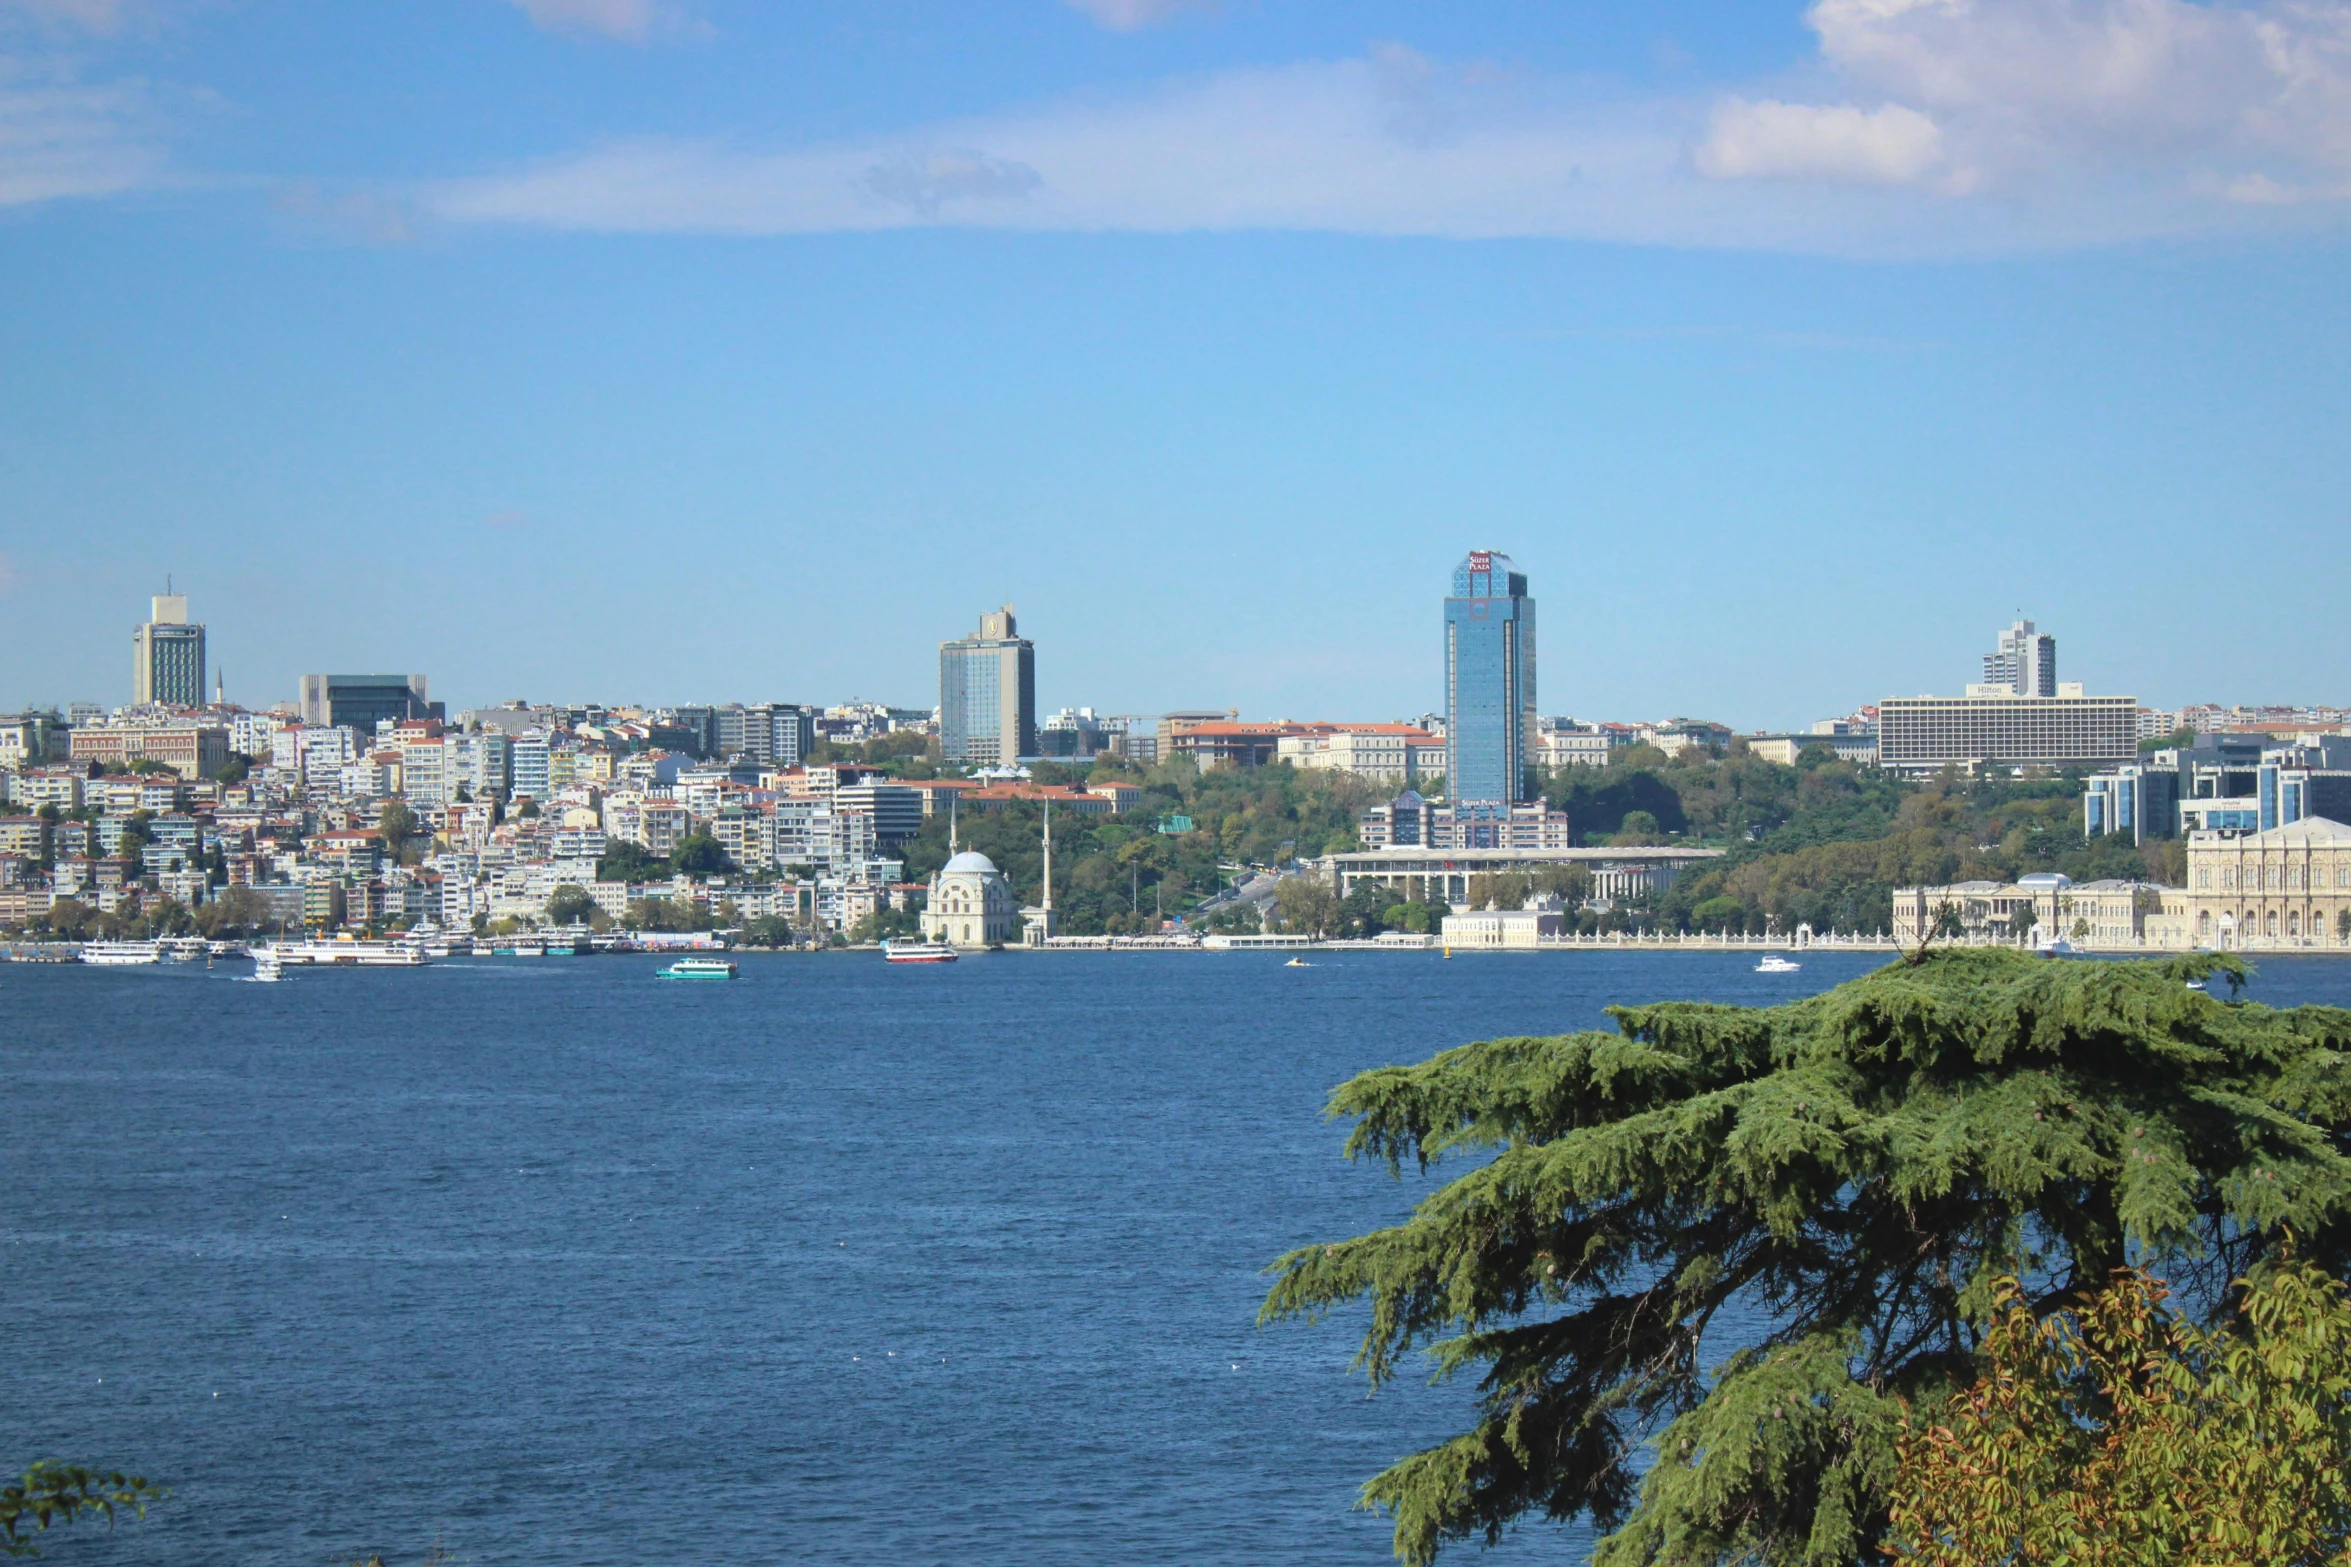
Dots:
(971, 860)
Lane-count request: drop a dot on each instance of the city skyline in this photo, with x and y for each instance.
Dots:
(1776, 418)
(310, 688)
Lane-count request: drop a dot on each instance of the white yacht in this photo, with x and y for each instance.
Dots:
(121, 954)
(1773, 963)
(268, 966)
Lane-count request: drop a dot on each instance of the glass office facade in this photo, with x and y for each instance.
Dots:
(988, 694)
(1489, 682)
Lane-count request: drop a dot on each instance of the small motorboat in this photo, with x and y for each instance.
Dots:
(268, 967)
(1297, 963)
(917, 952)
(1773, 963)
(2195, 984)
(699, 968)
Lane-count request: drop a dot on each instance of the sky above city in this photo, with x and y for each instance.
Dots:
(677, 350)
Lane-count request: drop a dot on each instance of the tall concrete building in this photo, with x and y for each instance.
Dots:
(167, 656)
(2025, 662)
(988, 694)
(1490, 723)
(1920, 736)
(361, 701)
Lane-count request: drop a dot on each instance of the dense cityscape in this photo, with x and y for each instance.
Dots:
(363, 809)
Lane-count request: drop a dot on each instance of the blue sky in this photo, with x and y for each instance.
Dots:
(709, 350)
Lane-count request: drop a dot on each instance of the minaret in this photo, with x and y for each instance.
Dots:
(951, 826)
(1048, 867)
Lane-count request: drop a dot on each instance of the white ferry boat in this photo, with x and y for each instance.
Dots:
(1773, 963)
(120, 954)
(698, 968)
(352, 953)
(917, 952)
(184, 949)
(268, 966)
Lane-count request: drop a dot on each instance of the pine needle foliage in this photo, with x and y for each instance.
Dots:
(2120, 1433)
(1859, 1168)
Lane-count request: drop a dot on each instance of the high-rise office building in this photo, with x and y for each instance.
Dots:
(2025, 661)
(988, 694)
(167, 656)
(360, 702)
(1490, 721)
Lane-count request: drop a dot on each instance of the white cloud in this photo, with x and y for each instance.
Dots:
(97, 16)
(1923, 126)
(62, 138)
(1891, 145)
(2028, 90)
(1128, 16)
(630, 21)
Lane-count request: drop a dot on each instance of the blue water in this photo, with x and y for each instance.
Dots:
(839, 1263)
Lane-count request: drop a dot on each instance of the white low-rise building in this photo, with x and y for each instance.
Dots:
(1520, 930)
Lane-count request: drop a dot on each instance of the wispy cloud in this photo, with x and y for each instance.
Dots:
(97, 16)
(364, 216)
(1921, 126)
(1127, 16)
(61, 137)
(630, 21)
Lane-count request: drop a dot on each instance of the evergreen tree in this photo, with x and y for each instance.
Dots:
(1858, 1169)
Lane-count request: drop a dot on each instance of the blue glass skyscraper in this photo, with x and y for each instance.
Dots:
(1489, 682)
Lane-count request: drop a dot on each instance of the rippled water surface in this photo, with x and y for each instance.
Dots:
(837, 1263)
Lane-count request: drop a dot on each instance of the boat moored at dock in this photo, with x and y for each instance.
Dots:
(120, 954)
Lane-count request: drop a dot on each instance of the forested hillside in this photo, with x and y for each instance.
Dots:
(1823, 842)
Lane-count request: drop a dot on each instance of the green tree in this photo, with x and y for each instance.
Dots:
(2117, 1432)
(1639, 827)
(395, 825)
(1306, 905)
(667, 914)
(768, 930)
(1859, 1168)
(571, 905)
(1501, 890)
(699, 854)
(51, 1495)
(626, 861)
(1720, 914)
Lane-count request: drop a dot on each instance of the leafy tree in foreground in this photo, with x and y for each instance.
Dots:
(51, 1495)
(2118, 1433)
(1856, 1170)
